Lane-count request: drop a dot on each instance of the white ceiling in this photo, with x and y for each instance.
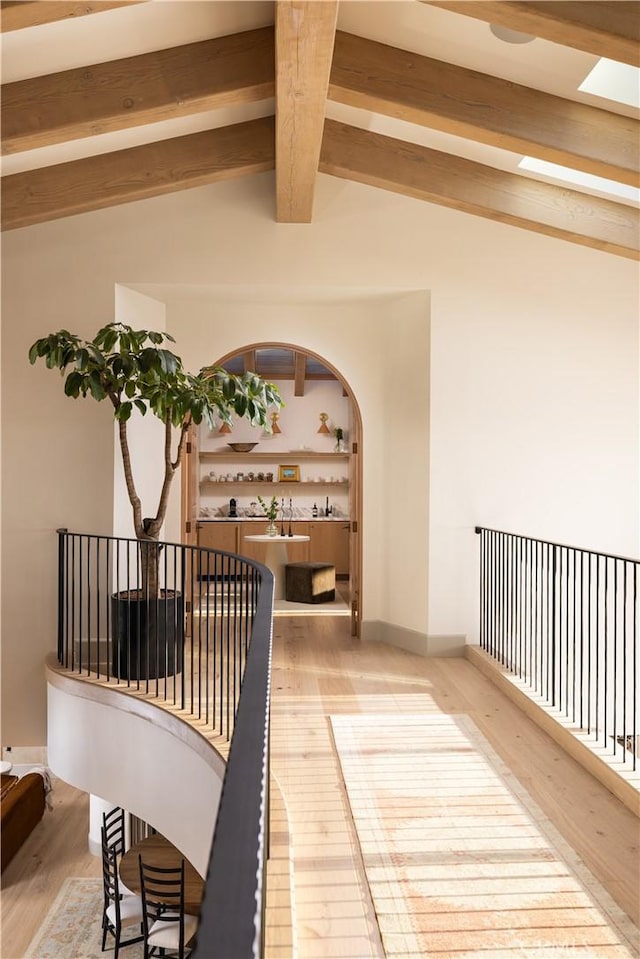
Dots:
(407, 24)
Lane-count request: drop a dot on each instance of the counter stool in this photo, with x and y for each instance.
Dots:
(310, 582)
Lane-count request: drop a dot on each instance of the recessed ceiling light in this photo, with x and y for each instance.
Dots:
(509, 36)
(613, 81)
(579, 178)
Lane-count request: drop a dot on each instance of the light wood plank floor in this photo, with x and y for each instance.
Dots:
(56, 849)
(319, 669)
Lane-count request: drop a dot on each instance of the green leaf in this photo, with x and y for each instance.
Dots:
(73, 384)
(110, 341)
(169, 360)
(96, 387)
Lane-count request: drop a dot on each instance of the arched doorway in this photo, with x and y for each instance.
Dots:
(306, 380)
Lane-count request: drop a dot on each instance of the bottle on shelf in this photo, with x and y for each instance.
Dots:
(314, 511)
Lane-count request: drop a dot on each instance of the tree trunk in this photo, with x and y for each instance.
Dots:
(150, 569)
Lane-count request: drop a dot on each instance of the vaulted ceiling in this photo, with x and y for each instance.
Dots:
(110, 102)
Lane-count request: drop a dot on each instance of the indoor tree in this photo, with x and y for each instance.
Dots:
(135, 372)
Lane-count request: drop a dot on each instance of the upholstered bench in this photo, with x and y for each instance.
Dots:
(310, 582)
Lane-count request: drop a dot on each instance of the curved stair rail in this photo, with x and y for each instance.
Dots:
(564, 619)
(190, 629)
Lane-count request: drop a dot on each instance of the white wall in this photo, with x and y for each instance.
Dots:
(534, 417)
(57, 469)
(358, 333)
(531, 408)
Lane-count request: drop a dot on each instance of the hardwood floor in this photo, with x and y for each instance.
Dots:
(320, 670)
(56, 849)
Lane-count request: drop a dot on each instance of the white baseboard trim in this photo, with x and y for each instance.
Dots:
(25, 755)
(377, 631)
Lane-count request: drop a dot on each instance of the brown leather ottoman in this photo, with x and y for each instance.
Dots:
(21, 808)
(310, 582)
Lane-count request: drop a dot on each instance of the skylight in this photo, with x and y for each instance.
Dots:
(614, 81)
(586, 180)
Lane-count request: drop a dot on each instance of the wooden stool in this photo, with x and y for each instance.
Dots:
(310, 582)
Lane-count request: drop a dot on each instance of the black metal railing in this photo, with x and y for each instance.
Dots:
(192, 628)
(565, 620)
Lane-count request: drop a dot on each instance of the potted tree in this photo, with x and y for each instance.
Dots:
(134, 371)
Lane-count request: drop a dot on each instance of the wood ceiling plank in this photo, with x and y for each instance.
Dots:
(305, 32)
(300, 369)
(607, 29)
(136, 90)
(137, 173)
(463, 102)
(461, 184)
(20, 14)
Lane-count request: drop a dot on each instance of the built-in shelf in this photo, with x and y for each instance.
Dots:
(247, 484)
(277, 456)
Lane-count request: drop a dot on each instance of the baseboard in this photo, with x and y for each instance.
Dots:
(377, 631)
(25, 755)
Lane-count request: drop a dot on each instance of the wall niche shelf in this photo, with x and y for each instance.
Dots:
(248, 484)
(277, 456)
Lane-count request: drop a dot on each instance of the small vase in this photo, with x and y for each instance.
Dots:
(339, 447)
(272, 528)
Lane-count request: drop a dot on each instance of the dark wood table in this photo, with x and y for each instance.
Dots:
(158, 851)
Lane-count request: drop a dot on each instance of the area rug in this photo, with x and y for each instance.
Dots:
(460, 861)
(72, 928)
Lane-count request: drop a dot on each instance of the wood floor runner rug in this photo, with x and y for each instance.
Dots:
(460, 861)
(72, 928)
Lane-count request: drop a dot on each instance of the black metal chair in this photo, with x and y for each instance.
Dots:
(167, 929)
(119, 909)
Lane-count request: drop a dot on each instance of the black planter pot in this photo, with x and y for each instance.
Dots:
(148, 636)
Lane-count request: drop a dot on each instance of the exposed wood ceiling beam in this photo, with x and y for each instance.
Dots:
(137, 90)
(305, 32)
(481, 190)
(606, 29)
(137, 173)
(455, 100)
(249, 361)
(19, 14)
(300, 369)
